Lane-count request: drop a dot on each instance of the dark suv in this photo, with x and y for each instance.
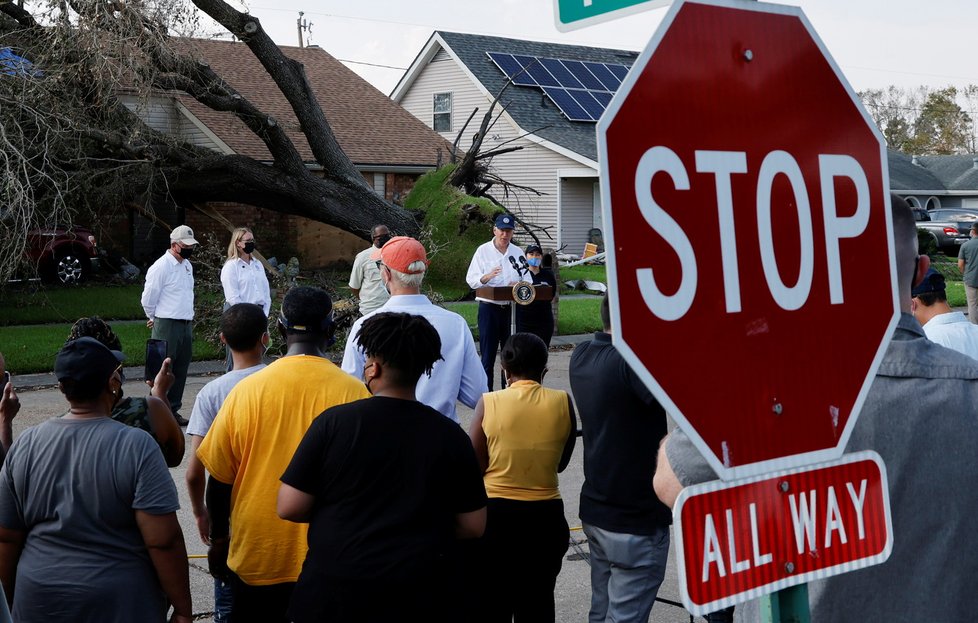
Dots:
(65, 255)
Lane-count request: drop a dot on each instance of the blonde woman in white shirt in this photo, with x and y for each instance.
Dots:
(243, 276)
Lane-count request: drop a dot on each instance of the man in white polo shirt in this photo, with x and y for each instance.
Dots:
(168, 300)
(458, 376)
(495, 264)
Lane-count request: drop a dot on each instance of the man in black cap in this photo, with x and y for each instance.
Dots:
(941, 323)
(495, 263)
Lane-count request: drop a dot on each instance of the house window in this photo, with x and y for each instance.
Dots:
(380, 183)
(442, 117)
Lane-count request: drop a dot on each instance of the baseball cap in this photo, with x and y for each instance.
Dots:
(505, 221)
(86, 361)
(533, 248)
(400, 252)
(183, 235)
(933, 282)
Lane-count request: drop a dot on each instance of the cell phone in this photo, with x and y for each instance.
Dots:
(155, 354)
(6, 379)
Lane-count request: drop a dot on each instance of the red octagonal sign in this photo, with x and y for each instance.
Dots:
(747, 216)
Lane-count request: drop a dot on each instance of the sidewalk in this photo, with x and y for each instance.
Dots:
(27, 382)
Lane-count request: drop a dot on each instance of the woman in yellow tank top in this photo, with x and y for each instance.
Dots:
(523, 436)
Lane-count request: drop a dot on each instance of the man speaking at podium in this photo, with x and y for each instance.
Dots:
(495, 263)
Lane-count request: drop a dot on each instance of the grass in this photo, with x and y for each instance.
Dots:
(581, 315)
(30, 349)
(65, 304)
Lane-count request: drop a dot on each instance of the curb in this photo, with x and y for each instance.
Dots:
(44, 380)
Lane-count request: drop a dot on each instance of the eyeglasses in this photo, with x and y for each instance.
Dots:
(380, 264)
(122, 374)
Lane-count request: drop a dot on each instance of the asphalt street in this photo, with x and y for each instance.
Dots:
(573, 585)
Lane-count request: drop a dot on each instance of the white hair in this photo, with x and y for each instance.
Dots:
(412, 280)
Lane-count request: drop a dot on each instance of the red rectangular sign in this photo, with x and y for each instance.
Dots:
(740, 540)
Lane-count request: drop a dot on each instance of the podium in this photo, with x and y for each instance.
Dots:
(522, 293)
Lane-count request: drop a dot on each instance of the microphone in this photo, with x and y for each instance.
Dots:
(516, 267)
(526, 267)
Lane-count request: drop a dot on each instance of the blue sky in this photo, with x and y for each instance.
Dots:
(875, 42)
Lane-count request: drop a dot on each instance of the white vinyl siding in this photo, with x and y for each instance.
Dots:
(534, 166)
(161, 114)
(577, 212)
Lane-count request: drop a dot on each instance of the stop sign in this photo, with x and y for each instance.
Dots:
(750, 245)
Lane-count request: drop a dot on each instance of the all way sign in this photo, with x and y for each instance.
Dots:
(741, 540)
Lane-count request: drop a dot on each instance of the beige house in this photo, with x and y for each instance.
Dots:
(551, 108)
(388, 146)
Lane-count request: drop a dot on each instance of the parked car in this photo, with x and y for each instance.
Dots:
(963, 217)
(65, 255)
(946, 235)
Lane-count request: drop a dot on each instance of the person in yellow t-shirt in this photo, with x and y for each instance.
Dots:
(523, 436)
(248, 448)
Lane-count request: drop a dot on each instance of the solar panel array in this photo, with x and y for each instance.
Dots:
(580, 89)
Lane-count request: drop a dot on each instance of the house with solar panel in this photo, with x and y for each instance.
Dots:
(558, 92)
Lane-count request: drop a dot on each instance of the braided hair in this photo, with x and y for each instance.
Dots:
(96, 328)
(407, 344)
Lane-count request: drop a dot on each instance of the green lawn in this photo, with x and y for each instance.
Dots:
(29, 349)
(579, 315)
(20, 305)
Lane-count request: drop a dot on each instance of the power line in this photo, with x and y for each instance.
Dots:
(344, 60)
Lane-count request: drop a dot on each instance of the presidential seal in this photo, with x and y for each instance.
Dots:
(524, 292)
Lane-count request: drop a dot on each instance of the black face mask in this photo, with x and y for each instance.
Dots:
(186, 252)
(382, 241)
(249, 247)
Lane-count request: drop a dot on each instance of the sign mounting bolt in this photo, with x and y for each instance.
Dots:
(784, 486)
(777, 408)
(748, 55)
(789, 567)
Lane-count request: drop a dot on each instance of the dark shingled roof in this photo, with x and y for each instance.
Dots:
(904, 175)
(528, 106)
(370, 128)
(957, 172)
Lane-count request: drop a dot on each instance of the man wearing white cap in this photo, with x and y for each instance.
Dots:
(168, 300)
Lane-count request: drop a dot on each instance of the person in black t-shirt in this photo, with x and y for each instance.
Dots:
(537, 317)
(627, 527)
(386, 484)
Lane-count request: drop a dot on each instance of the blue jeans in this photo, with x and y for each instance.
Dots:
(626, 572)
(222, 601)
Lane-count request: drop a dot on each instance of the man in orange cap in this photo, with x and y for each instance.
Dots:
(459, 376)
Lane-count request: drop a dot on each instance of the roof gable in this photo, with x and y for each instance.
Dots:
(370, 128)
(529, 108)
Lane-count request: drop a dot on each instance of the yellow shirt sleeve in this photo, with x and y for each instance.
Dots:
(219, 451)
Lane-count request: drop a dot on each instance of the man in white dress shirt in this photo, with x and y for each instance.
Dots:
(365, 281)
(459, 375)
(168, 300)
(495, 264)
(941, 323)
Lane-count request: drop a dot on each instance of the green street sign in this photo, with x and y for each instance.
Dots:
(574, 14)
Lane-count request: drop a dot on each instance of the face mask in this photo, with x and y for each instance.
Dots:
(186, 252)
(249, 246)
(534, 261)
(382, 241)
(367, 381)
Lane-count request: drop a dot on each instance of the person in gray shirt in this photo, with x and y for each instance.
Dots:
(244, 330)
(919, 415)
(968, 265)
(88, 525)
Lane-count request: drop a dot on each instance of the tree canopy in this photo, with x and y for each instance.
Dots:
(924, 121)
(68, 144)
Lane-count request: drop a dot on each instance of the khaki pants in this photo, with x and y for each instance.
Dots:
(971, 293)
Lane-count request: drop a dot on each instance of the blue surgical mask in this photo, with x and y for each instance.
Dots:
(534, 261)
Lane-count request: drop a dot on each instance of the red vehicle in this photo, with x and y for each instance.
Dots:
(65, 255)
